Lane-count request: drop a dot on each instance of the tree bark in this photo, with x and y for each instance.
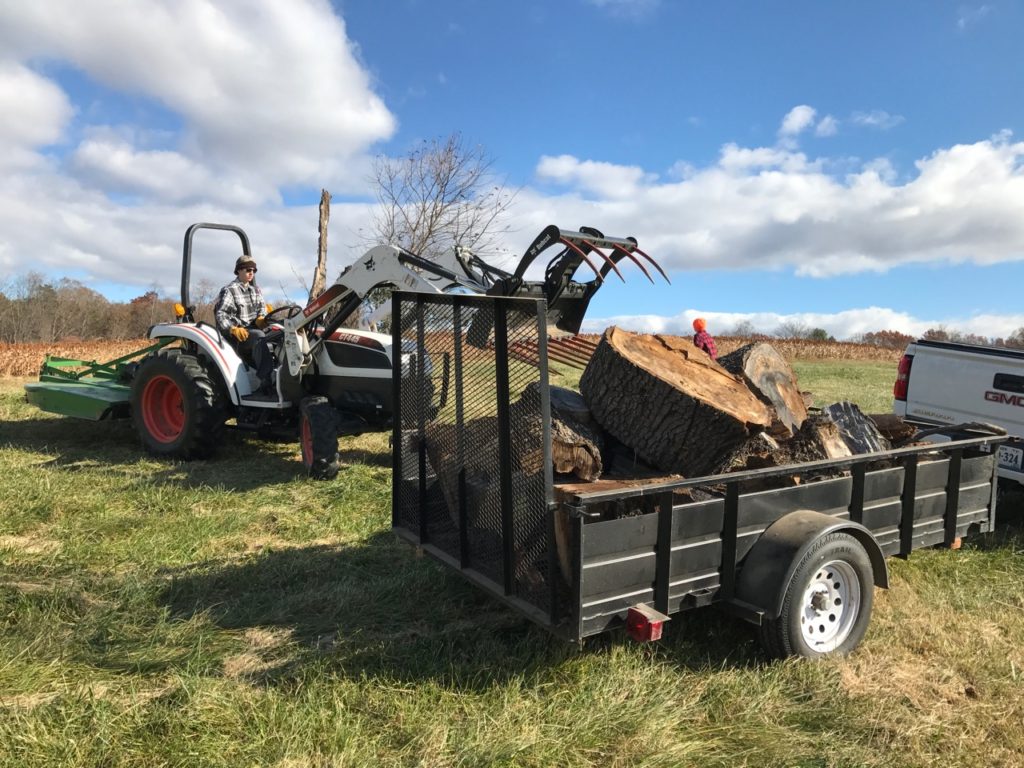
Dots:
(667, 400)
(575, 441)
(857, 430)
(893, 428)
(819, 438)
(769, 376)
(320, 275)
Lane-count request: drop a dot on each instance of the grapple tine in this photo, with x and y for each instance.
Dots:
(634, 259)
(657, 266)
(571, 244)
(604, 256)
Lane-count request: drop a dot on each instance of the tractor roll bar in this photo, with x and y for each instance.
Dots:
(186, 255)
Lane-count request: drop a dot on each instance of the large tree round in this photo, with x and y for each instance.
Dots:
(668, 401)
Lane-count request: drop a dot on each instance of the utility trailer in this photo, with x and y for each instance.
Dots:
(794, 550)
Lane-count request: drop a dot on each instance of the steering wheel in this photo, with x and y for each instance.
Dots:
(286, 312)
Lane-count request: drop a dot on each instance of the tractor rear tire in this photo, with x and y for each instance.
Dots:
(318, 437)
(175, 407)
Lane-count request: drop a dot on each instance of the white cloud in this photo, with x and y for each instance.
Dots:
(35, 114)
(605, 179)
(761, 207)
(827, 126)
(797, 120)
(634, 9)
(161, 176)
(877, 118)
(278, 82)
(968, 16)
(263, 96)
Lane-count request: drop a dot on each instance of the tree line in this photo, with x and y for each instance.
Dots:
(887, 339)
(33, 309)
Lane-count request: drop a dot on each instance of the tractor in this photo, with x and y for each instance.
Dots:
(329, 380)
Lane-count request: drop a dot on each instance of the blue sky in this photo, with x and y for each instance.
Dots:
(851, 166)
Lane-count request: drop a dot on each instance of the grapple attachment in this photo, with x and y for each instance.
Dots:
(568, 298)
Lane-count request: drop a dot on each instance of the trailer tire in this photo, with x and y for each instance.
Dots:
(828, 602)
(175, 407)
(318, 437)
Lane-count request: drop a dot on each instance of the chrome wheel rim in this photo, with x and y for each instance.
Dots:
(830, 606)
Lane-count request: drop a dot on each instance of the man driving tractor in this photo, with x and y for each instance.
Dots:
(240, 312)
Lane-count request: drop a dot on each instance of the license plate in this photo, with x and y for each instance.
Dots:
(1010, 458)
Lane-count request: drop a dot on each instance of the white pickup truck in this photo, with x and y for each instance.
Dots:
(943, 382)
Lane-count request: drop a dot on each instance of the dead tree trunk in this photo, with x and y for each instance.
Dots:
(769, 376)
(320, 276)
(668, 401)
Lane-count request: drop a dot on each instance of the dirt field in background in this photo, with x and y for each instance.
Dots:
(25, 359)
(800, 349)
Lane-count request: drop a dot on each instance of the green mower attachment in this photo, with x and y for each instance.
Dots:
(87, 389)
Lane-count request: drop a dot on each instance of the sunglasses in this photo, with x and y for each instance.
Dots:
(248, 269)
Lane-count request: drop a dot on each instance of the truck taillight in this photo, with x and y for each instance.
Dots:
(899, 389)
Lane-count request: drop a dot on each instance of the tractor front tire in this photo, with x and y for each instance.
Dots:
(175, 407)
(318, 437)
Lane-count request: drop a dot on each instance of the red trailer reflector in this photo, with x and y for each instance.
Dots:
(643, 623)
(899, 389)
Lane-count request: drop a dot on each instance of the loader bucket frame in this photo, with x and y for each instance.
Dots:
(567, 298)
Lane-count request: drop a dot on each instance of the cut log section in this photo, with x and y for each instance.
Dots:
(575, 447)
(770, 377)
(857, 430)
(819, 438)
(668, 401)
(575, 442)
(893, 428)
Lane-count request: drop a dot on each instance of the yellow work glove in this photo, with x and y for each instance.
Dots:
(270, 308)
(260, 322)
(239, 333)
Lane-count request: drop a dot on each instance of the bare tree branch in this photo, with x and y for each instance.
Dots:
(440, 195)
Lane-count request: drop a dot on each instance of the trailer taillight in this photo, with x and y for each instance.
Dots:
(643, 623)
(899, 389)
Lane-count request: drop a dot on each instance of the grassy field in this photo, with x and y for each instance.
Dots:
(233, 613)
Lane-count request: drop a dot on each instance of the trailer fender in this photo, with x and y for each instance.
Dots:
(768, 569)
(213, 345)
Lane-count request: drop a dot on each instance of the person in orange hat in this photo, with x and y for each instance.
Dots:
(702, 339)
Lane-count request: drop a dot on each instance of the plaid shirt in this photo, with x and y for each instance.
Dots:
(239, 304)
(704, 341)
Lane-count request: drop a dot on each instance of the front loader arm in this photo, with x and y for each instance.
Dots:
(567, 299)
(380, 266)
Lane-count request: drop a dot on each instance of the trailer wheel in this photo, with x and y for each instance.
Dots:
(318, 437)
(828, 601)
(175, 407)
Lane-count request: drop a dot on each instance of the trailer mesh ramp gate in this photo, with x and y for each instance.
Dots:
(471, 446)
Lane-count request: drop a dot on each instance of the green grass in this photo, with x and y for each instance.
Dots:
(233, 613)
(866, 383)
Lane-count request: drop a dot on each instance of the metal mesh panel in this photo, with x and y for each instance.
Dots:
(472, 439)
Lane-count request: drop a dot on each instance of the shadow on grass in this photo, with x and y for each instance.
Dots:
(1009, 528)
(75, 445)
(380, 609)
(369, 458)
